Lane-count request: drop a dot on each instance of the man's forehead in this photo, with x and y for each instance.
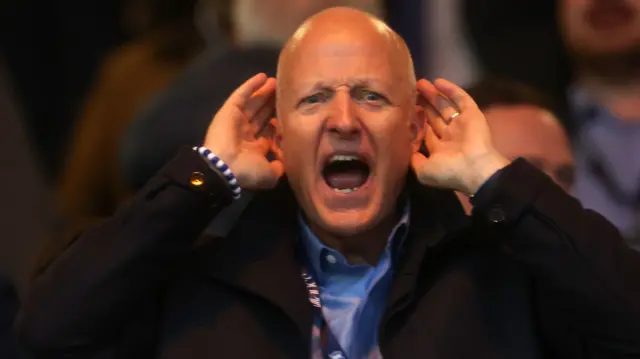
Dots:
(325, 52)
(342, 45)
(320, 82)
(332, 64)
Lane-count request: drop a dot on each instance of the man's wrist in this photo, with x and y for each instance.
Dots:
(484, 168)
(221, 167)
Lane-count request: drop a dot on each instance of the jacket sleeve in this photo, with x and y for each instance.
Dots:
(586, 279)
(87, 296)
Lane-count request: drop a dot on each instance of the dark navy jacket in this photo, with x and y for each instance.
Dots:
(531, 275)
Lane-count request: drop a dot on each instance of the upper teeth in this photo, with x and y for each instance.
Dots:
(343, 158)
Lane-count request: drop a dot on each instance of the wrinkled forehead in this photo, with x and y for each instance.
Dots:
(341, 56)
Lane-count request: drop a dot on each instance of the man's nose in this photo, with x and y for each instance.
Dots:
(343, 120)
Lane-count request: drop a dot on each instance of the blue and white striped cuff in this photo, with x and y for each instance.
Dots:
(222, 168)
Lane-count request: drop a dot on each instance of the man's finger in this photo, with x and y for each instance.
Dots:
(268, 129)
(436, 122)
(258, 146)
(243, 93)
(264, 96)
(426, 89)
(455, 93)
(261, 120)
(431, 141)
(440, 102)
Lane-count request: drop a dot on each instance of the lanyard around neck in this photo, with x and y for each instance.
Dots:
(332, 349)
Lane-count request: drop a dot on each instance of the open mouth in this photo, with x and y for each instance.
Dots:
(346, 173)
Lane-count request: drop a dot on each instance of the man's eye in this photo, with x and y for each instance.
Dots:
(313, 99)
(370, 97)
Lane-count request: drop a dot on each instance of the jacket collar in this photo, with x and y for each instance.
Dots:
(260, 256)
(437, 217)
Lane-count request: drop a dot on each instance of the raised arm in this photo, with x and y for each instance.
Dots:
(84, 300)
(89, 293)
(586, 279)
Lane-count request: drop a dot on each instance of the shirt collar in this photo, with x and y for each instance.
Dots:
(316, 252)
(585, 107)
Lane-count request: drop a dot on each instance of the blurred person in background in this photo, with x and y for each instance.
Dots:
(91, 184)
(588, 61)
(519, 40)
(178, 116)
(53, 50)
(25, 212)
(524, 124)
(603, 41)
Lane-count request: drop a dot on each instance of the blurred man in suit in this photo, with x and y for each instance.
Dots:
(586, 55)
(603, 41)
(91, 185)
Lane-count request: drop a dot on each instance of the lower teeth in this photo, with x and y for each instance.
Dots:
(345, 190)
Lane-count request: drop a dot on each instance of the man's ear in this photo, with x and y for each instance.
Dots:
(417, 128)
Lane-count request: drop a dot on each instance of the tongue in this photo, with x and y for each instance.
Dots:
(346, 179)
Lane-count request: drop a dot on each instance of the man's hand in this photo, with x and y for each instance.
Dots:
(233, 130)
(461, 153)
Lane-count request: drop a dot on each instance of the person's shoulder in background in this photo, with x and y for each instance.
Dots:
(8, 310)
(179, 116)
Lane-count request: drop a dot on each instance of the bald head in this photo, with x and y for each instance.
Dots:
(341, 20)
(342, 30)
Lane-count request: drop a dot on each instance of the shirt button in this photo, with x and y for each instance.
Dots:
(197, 179)
(331, 259)
(496, 215)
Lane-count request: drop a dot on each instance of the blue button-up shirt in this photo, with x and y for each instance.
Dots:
(615, 145)
(354, 297)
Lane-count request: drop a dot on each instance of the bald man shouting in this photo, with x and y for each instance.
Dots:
(355, 245)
